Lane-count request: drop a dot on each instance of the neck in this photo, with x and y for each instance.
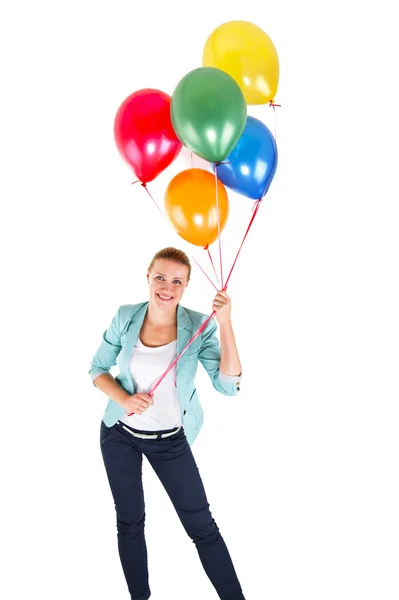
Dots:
(160, 318)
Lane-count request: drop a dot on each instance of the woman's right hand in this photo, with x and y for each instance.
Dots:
(138, 403)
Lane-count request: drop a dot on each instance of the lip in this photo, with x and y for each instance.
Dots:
(169, 298)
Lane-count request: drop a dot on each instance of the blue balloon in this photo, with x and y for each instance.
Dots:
(252, 162)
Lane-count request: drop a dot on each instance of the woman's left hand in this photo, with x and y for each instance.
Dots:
(222, 306)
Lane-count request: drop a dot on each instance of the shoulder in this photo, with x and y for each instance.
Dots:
(126, 313)
(130, 309)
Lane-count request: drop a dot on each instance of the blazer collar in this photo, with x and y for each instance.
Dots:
(184, 320)
(185, 330)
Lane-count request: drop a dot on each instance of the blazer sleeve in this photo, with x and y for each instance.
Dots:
(209, 356)
(109, 349)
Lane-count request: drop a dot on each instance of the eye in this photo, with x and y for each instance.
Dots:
(177, 281)
(159, 277)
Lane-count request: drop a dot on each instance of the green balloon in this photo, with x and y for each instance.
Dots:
(208, 112)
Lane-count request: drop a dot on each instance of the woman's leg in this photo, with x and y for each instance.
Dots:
(176, 468)
(123, 463)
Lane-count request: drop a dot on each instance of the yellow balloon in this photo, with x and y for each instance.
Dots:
(246, 52)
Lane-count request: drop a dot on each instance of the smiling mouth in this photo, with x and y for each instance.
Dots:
(165, 298)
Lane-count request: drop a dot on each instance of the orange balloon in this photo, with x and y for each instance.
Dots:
(190, 203)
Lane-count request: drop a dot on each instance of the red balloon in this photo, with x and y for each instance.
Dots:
(144, 133)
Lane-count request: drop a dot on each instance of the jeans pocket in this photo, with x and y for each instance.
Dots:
(176, 439)
(104, 432)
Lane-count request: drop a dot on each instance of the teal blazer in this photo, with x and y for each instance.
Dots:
(117, 347)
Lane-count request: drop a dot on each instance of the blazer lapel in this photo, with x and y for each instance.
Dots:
(184, 331)
(130, 340)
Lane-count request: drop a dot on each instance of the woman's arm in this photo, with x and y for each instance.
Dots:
(132, 403)
(220, 358)
(109, 349)
(107, 384)
(229, 360)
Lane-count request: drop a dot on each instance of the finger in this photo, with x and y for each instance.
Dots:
(224, 294)
(141, 405)
(146, 398)
(144, 405)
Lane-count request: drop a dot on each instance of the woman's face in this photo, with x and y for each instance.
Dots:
(167, 281)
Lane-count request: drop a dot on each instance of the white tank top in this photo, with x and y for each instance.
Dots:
(146, 366)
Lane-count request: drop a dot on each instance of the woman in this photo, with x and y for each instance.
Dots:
(146, 338)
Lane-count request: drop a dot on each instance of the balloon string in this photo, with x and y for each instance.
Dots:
(197, 333)
(273, 106)
(146, 189)
(144, 185)
(201, 329)
(214, 269)
(218, 215)
(150, 195)
(254, 210)
(205, 273)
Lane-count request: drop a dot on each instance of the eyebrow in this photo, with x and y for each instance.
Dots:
(176, 277)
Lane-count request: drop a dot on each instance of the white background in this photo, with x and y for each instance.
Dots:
(301, 469)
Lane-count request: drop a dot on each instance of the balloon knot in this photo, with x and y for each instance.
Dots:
(273, 105)
(206, 247)
(256, 204)
(144, 185)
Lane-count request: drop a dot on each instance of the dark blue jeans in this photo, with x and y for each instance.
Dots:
(172, 460)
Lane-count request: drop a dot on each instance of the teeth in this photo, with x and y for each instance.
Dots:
(165, 297)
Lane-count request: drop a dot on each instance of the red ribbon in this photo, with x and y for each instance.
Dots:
(218, 215)
(144, 185)
(201, 329)
(206, 275)
(213, 266)
(255, 210)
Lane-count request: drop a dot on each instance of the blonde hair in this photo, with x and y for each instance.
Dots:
(172, 254)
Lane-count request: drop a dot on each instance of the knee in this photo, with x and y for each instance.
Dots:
(205, 534)
(130, 527)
